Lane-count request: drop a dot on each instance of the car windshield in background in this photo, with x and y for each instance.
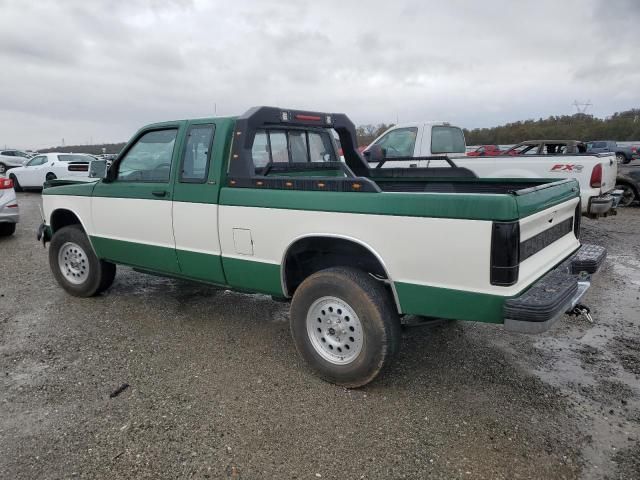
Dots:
(74, 158)
(447, 140)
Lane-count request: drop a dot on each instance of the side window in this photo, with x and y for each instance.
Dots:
(149, 160)
(8, 154)
(525, 150)
(34, 162)
(260, 149)
(195, 161)
(447, 140)
(400, 142)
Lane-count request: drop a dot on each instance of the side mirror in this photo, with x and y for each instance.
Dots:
(374, 154)
(98, 169)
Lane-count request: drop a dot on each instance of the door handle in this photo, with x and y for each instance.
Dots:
(159, 193)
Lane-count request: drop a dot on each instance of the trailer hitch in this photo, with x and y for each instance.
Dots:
(581, 311)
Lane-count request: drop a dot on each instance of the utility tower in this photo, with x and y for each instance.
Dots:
(582, 107)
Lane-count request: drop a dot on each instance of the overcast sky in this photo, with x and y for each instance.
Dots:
(97, 70)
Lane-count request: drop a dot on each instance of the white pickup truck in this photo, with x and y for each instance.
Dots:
(416, 144)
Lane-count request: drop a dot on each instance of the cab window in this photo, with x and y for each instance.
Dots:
(149, 160)
(446, 139)
(399, 143)
(195, 161)
(291, 146)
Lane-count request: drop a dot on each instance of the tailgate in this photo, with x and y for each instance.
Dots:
(547, 237)
(533, 200)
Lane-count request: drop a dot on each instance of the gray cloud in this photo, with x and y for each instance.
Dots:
(101, 69)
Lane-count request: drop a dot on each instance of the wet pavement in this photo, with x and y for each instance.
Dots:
(216, 389)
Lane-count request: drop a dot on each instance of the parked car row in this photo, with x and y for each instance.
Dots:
(12, 158)
(50, 166)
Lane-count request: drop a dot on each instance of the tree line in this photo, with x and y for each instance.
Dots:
(621, 126)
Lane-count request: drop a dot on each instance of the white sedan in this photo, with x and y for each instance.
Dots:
(50, 166)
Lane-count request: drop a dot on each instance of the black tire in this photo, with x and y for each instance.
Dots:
(7, 229)
(50, 176)
(16, 184)
(629, 196)
(622, 158)
(3, 169)
(99, 274)
(377, 316)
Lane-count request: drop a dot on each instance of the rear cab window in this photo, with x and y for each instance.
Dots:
(290, 148)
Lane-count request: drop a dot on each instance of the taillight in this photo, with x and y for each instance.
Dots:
(596, 176)
(6, 183)
(505, 253)
(577, 217)
(78, 167)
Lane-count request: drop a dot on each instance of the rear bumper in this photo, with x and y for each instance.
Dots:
(542, 305)
(601, 205)
(9, 214)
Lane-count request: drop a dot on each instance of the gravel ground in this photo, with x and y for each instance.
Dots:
(216, 389)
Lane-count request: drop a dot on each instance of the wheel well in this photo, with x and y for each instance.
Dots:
(312, 254)
(63, 218)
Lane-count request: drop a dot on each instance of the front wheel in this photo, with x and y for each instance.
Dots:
(3, 169)
(75, 266)
(345, 325)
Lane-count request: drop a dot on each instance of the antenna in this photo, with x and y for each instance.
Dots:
(582, 107)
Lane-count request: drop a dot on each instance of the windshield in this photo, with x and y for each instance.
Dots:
(446, 139)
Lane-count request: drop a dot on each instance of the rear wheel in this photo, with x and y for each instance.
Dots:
(50, 176)
(628, 196)
(3, 169)
(7, 229)
(16, 184)
(345, 325)
(75, 266)
(621, 158)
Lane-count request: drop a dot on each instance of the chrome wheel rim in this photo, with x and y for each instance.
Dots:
(620, 158)
(73, 263)
(335, 330)
(3, 169)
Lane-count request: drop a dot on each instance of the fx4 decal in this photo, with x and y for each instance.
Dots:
(566, 167)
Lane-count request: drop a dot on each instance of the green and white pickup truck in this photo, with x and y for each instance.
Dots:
(262, 203)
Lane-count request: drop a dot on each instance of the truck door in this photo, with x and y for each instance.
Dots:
(195, 205)
(131, 214)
